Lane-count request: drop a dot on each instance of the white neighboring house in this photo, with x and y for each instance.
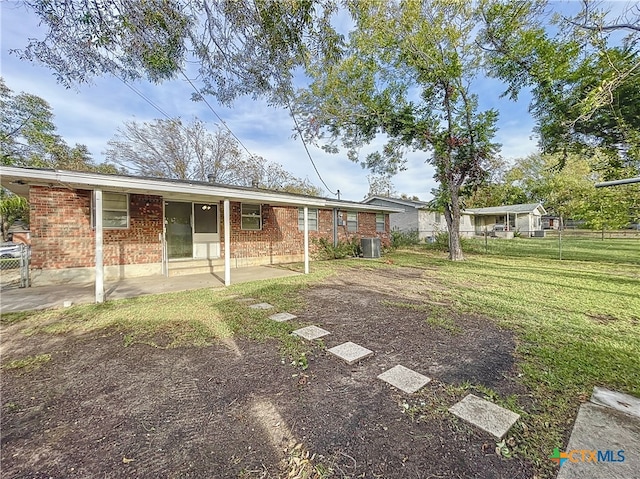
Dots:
(525, 219)
(418, 216)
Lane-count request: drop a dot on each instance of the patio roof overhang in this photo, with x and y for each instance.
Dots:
(18, 181)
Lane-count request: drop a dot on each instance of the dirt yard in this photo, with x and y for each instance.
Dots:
(238, 409)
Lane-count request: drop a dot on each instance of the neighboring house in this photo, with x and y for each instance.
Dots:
(550, 222)
(525, 219)
(144, 226)
(418, 216)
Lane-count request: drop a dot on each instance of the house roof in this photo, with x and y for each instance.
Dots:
(504, 209)
(398, 201)
(18, 181)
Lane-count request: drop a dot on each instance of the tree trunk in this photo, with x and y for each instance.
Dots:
(452, 215)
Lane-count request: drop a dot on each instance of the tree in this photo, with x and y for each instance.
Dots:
(568, 192)
(12, 208)
(250, 47)
(406, 73)
(584, 81)
(28, 136)
(381, 185)
(173, 149)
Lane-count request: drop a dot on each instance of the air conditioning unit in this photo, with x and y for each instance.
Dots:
(370, 247)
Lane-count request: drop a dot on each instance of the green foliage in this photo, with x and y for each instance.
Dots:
(12, 208)
(405, 74)
(402, 239)
(240, 48)
(344, 249)
(568, 191)
(28, 136)
(582, 73)
(596, 342)
(441, 243)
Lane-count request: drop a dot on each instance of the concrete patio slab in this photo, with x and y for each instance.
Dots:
(54, 296)
(404, 379)
(486, 415)
(350, 352)
(618, 401)
(261, 306)
(613, 436)
(280, 317)
(311, 332)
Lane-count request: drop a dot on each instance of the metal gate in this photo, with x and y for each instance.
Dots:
(15, 262)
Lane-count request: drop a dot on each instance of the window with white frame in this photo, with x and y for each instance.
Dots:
(251, 217)
(115, 210)
(352, 221)
(379, 221)
(313, 219)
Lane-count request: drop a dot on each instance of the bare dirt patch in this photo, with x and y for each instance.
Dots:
(100, 409)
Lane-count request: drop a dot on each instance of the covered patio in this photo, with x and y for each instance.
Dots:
(55, 296)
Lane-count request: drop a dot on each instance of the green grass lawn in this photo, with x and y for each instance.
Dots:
(570, 247)
(577, 321)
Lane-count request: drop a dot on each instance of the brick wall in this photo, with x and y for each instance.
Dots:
(62, 235)
(280, 235)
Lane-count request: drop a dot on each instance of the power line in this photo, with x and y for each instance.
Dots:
(304, 143)
(187, 132)
(202, 97)
(141, 95)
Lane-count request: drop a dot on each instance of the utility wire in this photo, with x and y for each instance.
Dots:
(304, 143)
(187, 133)
(202, 97)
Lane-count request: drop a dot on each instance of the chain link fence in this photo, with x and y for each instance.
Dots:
(14, 265)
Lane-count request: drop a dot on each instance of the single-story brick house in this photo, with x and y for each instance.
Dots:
(89, 226)
(419, 216)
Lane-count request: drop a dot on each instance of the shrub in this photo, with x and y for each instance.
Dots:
(441, 243)
(344, 249)
(400, 239)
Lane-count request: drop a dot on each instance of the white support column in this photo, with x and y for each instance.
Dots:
(306, 240)
(227, 243)
(97, 203)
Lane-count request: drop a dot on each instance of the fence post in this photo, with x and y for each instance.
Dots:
(24, 266)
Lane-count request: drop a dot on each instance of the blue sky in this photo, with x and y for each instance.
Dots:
(90, 114)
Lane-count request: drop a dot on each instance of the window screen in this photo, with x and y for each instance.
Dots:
(352, 221)
(115, 210)
(313, 219)
(251, 217)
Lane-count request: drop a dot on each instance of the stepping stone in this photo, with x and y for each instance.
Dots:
(261, 306)
(311, 332)
(609, 431)
(404, 379)
(350, 352)
(280, 317)
(618, 401)
(486, 415)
